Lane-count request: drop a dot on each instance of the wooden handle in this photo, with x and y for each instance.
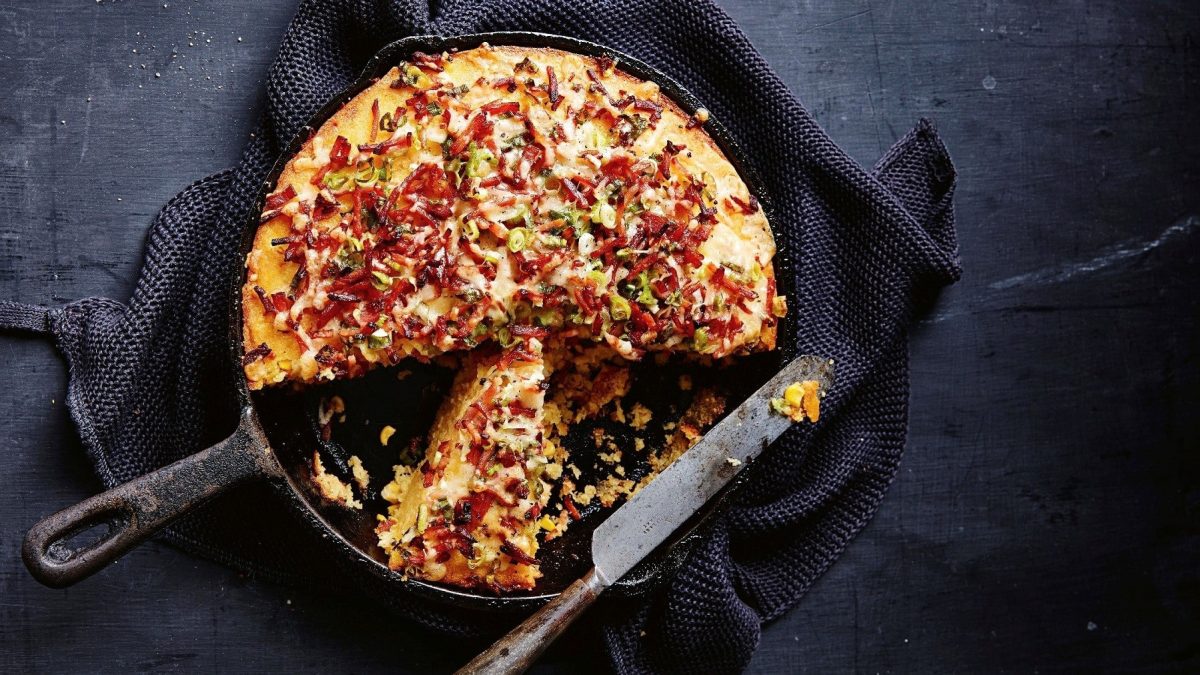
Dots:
(516, 652)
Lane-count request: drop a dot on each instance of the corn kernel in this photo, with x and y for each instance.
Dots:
(794, 395)
(385, 434)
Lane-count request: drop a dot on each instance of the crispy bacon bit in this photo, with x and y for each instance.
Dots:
(597, 86)
(573, 192)
(267, 305)
(668, 155)
(527, 331)
(651, 107)
(478, 127)
(499, 107)
(260, 352)
(507, 83)
(382, 147)
(323, 206)
(280, 198)
(374, 119)
(569, 505)
(508, 549)
(525, 65)
(339, 155)
(552, 88)
(430, 62)
(747, 207)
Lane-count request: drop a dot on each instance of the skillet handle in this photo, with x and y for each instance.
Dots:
(136, 510)
(515, 653)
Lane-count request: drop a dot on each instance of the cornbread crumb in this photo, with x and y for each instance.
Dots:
(361, 477)
(329, 407)
(331, 487)
(618, 413)
(641, 416)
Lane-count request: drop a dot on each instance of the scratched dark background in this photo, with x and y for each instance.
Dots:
(1047, 513)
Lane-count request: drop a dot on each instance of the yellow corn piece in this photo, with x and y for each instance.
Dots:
(385, 434)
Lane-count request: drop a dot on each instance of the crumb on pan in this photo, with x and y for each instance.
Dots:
(331, 487)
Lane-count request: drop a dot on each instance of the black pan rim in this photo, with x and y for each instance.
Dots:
(670, 556)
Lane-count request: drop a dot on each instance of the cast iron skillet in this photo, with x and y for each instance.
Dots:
(277, 431)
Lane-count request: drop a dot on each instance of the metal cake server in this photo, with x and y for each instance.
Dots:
(654, 513)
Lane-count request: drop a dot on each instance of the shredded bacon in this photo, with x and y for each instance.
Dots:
(569, 505)
(339, 154)
(258, 353)
(432, 63)
(277, 199)
(747, 207)
(508, 549)
(552, 88)
(382, 147)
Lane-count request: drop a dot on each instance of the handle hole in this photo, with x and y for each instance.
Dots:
(84, 538)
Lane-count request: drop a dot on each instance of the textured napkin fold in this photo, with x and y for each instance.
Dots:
(149, 380)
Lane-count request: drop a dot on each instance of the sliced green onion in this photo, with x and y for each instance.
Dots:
(602, 212)
(479, 161)
(365, 174)
(572, 216)
(379, 339)
(701, 339)
(517, 238)
(349, 259)
(618, 307)
(470, 229)
(520, 217)
(552, 241)
(645, 297)
(380, 281)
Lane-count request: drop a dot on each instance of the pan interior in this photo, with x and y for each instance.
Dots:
(406, 398)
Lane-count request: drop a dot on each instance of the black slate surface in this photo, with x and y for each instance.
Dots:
(1047, 515)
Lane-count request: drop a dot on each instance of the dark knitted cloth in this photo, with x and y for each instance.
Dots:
(149, 379)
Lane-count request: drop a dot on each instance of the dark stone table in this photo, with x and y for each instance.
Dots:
(1047, 513)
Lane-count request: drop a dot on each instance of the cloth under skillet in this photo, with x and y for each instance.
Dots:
(858, 249)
